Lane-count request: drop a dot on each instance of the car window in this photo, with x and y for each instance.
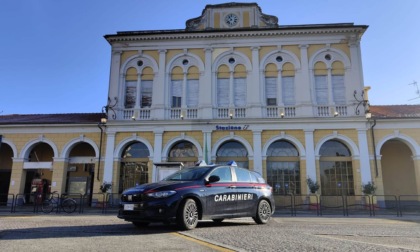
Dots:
(224, 173)
(254, 178)
(188, 174)
(260, 179)
(242, 175)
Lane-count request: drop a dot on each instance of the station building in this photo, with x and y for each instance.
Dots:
(287, 101)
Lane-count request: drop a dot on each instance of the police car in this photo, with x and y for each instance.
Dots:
(205, 192)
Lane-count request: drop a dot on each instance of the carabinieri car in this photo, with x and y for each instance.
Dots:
(214, 192)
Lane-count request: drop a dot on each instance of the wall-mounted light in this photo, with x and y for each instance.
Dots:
(336, 114)
(133, 118)
(182, 117)
(368, 115)
(282, 115)
(230, 115)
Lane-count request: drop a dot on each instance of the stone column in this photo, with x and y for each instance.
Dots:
(365, 170)
(257, 151)
(109, 157)
(416, 162)
(158, 151)
(310, 155)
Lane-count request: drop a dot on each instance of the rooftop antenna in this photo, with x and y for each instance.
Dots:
(414, 83)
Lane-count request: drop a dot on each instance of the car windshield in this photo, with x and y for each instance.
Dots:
(188, 174)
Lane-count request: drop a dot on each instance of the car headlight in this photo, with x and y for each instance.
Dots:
(161, 194)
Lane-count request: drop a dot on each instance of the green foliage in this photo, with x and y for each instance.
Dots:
(313, 186)
(368, 188)
(105, 187)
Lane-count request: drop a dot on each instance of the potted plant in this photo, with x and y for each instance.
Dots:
(313, 186)
(369, 188)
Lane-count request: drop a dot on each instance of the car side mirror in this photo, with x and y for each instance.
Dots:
(214, 178)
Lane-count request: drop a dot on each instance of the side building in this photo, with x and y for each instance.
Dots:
(286, 101)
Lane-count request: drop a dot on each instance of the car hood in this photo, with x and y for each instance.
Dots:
(158, 186)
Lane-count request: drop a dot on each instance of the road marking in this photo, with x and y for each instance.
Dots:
(203, 243)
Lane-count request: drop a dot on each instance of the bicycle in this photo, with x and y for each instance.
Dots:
(68, 205)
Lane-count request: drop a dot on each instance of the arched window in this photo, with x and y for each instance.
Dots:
(336, 169)
(232, 150)
(279, 80)
(134, 166)
(184, 152)
(130, 88)
(283, 168)
(231, 84)
(138, 91)
(329, 76)
(184, 87)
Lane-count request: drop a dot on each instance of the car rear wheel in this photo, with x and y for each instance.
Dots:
(188, 215)
(140, 224)
(263, 212)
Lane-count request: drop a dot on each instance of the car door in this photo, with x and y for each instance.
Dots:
(220, 195)
(247, 192)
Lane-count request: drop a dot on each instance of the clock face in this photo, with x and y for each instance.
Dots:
(231, 19)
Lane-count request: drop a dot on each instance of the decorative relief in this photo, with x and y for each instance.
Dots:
(269, 20)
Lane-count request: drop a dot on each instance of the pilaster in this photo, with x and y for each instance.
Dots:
(257, 151)
(58, 181)
(17, 178)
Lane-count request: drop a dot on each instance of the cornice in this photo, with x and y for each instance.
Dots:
(184, 35)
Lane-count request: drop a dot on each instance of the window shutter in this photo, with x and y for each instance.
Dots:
(271, 91)
(223, 93)
(288, 90)
(192, 93)
(339, 91)
(321, 89)
(176, 93)
(130, 94)
(146, 93)
(239, 86)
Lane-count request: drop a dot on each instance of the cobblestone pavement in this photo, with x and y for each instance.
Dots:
(108, 233)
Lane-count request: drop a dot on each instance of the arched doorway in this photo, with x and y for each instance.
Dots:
(184, 152)
(134, 166)
(81, 168)
(283, 168)
(38, 171)
(336, 169)
(6, 163)
(232, 150)
(398, 169)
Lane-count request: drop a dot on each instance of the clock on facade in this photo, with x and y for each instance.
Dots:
(231, 19)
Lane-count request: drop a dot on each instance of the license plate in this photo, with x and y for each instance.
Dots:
(129, 207)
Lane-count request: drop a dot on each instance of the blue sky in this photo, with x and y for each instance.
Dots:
(54, 59)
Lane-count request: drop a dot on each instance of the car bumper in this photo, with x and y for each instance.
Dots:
(148, 211)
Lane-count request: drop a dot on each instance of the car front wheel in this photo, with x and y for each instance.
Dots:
(263, 212)
(188, 215)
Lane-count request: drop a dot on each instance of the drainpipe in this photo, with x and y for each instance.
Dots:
(100, 126)
(374, 147)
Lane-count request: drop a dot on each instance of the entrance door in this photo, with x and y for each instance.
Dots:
(4, 186)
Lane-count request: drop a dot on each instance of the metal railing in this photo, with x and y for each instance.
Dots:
(293, 204)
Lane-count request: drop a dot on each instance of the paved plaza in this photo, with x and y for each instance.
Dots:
(91, 232)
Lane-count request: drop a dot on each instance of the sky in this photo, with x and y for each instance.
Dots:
(54, 58)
